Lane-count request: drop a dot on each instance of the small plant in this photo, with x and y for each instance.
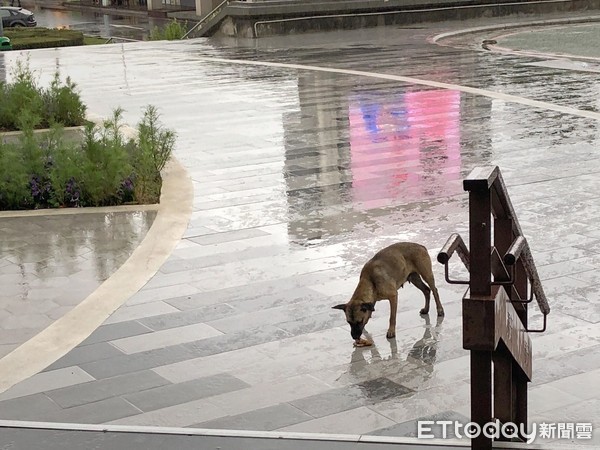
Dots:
(104, 169)
(172, 31)
(24, 104)
(153, 150)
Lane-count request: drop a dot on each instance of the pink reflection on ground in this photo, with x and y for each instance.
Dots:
(406, 147)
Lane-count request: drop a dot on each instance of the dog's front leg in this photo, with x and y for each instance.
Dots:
(393, 310)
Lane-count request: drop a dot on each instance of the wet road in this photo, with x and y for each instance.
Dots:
(309, 155)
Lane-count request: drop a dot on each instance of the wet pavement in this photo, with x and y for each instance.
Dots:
(137, 26)
(300, 175)
(46, 271)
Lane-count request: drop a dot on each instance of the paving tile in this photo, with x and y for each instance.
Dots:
(410, 428)
(191, 316)
(31, 407)
(350, 397)
(173, 394)
(119, 330)
(181, 415)
(165, 338)
(97, 412)
(217, 238)
(153, 294)
(46, 381)
(355, 421)
(94, 391)
(234, 341)
(85, 354)
(265, 419)
(233, 361)
(122, 364)
(269, 394)
(126, 312)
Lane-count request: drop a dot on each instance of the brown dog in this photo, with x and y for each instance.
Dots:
(380, 279)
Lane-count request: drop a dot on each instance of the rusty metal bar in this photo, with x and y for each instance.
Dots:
(481, 395)
(513, 253)
(528, 263)
(480, 239)
(454, 243)
(504, 388)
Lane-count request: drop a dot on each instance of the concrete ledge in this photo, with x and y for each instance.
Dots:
(68, 436)
(70, 134)
(258, 19)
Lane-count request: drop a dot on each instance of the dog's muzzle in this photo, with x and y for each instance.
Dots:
(356, 331)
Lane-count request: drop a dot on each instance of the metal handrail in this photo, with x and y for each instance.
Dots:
(454, 244)
(211, 15)
(496, 184)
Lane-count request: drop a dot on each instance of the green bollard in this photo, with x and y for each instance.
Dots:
(5, 43)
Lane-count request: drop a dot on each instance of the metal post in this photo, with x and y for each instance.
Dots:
(480, 289)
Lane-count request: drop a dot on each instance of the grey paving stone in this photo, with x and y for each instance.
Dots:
(46, 381)
(94, 391)
(97, 412)
(188, 317)
(350, 397)
(85, 354)
(166, 338)
(409, 428)
(267, 419)
(217, 259)
(173, 394)
(234, 341)
(119, 330)
(122, 364)
(217, 238)
(314, 322)
(31, 407)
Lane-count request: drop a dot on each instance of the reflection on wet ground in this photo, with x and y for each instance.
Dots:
(136, 27)
(48, 264)
(300, 177)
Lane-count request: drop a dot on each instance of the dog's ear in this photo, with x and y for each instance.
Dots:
(368, 306)
(341, 306)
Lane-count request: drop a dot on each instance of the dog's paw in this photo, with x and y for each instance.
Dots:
(440, 313)
(391, 334)
(424, 311)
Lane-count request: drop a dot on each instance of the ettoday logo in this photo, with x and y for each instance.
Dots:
(497, 430)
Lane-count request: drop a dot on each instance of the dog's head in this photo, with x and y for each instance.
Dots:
(357, 316)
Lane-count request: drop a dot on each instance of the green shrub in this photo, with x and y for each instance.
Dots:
(39, 37)
(105, 169)
(172, 31)
(21, 100)
(107, 161)
(153, 150)
(15, 192)
(62, 103)
(24, 104)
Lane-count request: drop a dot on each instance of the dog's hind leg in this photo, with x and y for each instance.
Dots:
(415, 279)
(428, 277)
